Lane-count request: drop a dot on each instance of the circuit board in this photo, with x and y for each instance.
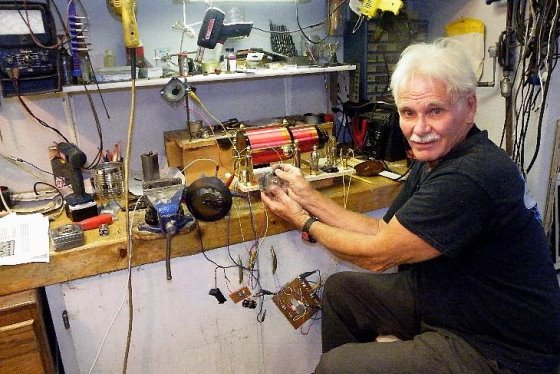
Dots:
(298, 301)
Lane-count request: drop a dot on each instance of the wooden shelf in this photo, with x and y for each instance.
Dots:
(215, 78)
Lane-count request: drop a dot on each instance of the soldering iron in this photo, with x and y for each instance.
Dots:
(214, 30)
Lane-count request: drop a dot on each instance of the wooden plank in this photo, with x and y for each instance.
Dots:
(103, 254)
(553, 175)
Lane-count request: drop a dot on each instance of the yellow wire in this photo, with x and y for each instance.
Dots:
(127, 217)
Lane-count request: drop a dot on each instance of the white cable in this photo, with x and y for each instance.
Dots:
(123, 300)
(197, 160)
(14, 161)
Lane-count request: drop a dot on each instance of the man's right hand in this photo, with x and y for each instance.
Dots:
(294, 183)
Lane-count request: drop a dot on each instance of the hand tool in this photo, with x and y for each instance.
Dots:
(95, 222)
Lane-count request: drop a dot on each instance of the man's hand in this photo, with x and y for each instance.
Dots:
(281, 199)
(294, 183)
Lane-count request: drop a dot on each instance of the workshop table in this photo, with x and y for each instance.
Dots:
(103, 254)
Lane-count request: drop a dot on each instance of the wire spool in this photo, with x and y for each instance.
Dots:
(108, 179)
(275, 143)
(268, 144)
(307, 136)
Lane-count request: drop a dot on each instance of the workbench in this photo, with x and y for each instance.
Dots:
(83, 282)
(103, 254)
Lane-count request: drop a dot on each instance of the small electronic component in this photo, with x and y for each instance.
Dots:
(103, 229)
(267, 180)
(240, 294)
(274, 260)
(298, 301)
(249, 303)
(67, 237)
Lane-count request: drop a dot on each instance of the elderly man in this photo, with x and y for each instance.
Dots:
(480, 294)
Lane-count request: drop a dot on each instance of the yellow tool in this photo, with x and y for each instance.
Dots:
(370, 7)
(126, 10)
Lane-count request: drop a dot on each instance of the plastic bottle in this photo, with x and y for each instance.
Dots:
(108, 58)
(231, 60)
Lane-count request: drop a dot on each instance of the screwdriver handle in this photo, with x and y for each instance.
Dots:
(95, 222)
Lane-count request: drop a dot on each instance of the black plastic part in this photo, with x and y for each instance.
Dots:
(218, 295)
(77, 214)
(214, 30)
(208, 199)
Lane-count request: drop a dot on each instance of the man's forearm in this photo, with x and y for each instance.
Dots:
(331, 213)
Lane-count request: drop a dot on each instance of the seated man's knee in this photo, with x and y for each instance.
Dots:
(334, 283)
(334, 361)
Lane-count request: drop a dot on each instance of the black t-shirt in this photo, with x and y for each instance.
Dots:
(495, 284)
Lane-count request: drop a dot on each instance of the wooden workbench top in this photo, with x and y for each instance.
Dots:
(102, 254)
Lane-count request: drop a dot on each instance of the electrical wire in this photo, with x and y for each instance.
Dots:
(324, 20)
(125, 297)
(15, 161)
(99, 155)
(126, 204)
(59, 194)
(25, 19)
(535, 25)
(5, 203)
(300, 28)
(18, 159)
(14, 75)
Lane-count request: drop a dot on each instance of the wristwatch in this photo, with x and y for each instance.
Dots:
(305, 235)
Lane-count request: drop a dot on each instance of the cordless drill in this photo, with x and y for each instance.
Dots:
(67, 170)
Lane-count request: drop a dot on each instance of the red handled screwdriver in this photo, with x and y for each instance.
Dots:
(95, 222)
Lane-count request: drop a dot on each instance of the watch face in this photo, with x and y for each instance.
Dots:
(7, 248)
(14, 22)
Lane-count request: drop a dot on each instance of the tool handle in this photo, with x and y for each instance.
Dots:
(95, 222)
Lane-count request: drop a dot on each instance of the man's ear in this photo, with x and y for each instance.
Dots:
(471, 107)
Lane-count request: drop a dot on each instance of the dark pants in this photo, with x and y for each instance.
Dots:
(357, 307)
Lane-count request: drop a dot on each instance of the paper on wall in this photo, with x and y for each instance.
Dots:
(470, 33)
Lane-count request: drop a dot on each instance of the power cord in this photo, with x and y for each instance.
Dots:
(13, 74)
(127, 215)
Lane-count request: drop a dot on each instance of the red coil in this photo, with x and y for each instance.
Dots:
(266, 143)
(269, 144)
(307, 137)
